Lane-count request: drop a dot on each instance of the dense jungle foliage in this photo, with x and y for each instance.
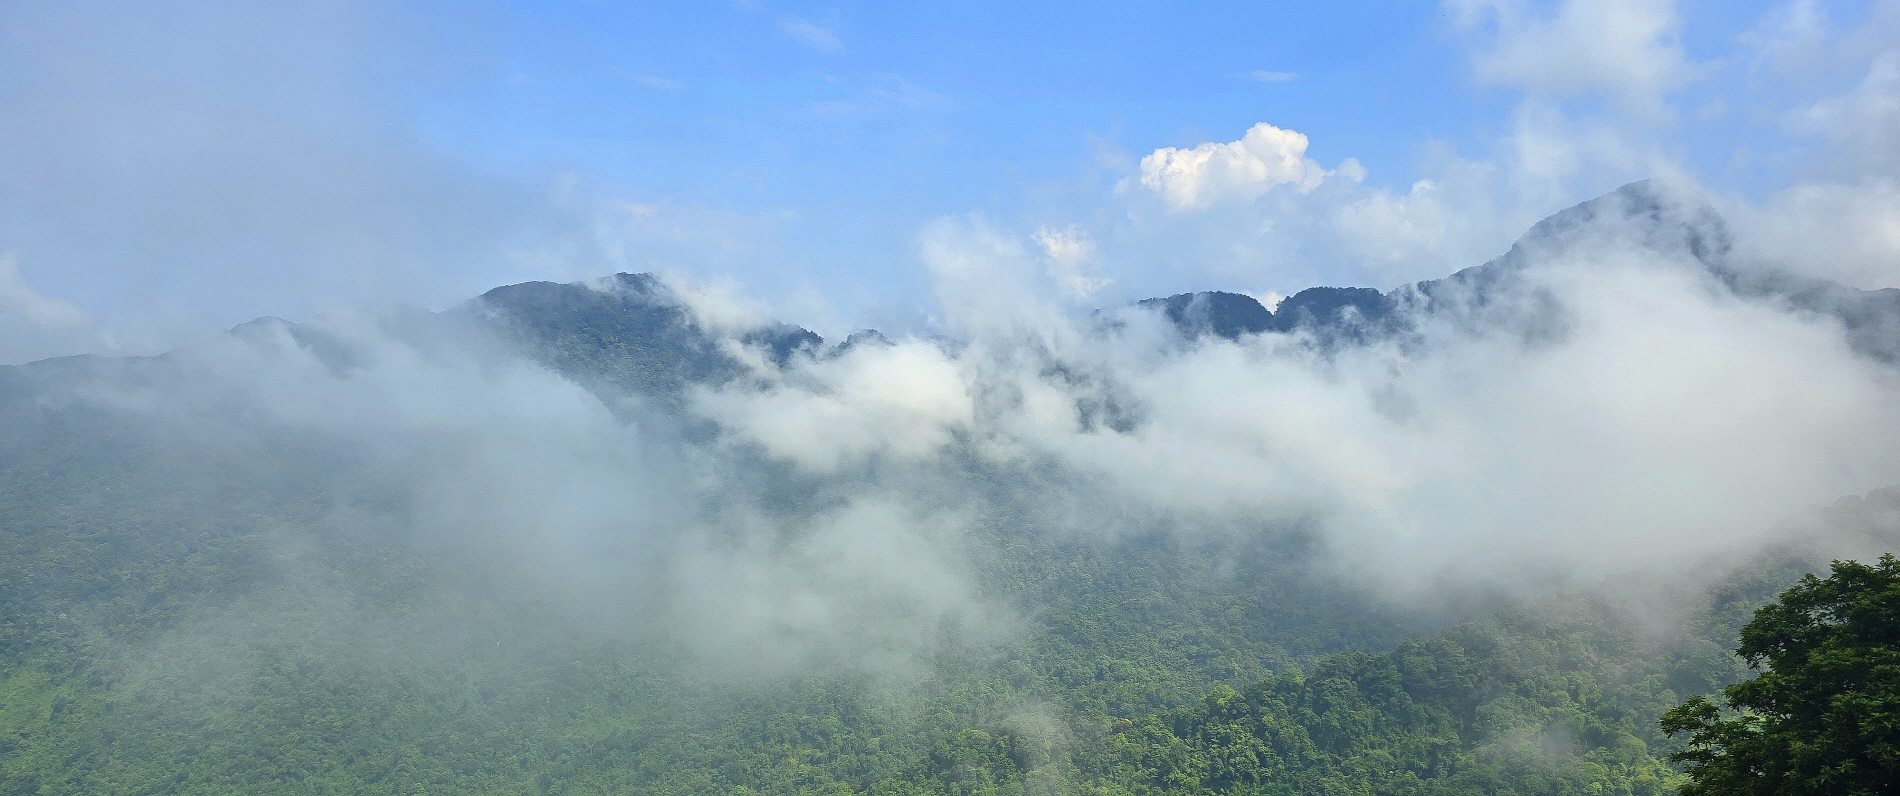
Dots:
(1822, 713)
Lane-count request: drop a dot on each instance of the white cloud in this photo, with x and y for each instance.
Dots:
(1270, 299)
(716, 305)
(810, 34)
(1626, 50)
(20, 301)
(1069, 253)
(656, 82)
(1799, 40)
(1336, 227)
(900, 401)
(989, 283)
(1265, 76)
(1668, 421)
(1860, 223)
(603, 519)
(870, 585)
(1791, 37)
(34, 325)
(886, 94)
(1863, 123)
(172, 166)
(1392, 227)
(1263, 158)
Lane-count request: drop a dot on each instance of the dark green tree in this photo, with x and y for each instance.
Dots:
(1823, 717)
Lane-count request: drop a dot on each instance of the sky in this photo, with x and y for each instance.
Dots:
(171, 169)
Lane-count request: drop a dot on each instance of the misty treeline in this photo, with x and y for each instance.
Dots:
(1467, 536)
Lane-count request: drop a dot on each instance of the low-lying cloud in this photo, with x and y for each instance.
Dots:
(1610, 409)
(1620, 409)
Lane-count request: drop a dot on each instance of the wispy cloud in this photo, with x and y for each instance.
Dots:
(1265, 76)
(113, 118)
(890, 93)
(35, 325)
(655, 82)
(806, 31)
(1628, 50)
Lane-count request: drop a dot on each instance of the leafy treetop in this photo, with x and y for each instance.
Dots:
(1823, 717)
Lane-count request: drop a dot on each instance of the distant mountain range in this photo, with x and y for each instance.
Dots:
(632, 331)
(1642, 216)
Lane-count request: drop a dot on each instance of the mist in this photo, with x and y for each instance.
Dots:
(1620, 409)
(1616, 410)
(176, 168)
(429, 491)
(1034, 504)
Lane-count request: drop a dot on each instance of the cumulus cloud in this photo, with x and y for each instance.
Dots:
(1349, 226)
(1257, 214)
(1338, 226)
(1263, 158)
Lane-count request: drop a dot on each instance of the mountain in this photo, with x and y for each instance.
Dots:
(1232, 315)
(1647, 218)
(629, 330)
(494, 550)
(626, 332)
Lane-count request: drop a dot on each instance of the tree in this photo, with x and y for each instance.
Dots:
(1823, 717)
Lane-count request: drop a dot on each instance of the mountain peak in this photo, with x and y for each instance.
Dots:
(1653, 218)
(1228, 315)
(1658, 215)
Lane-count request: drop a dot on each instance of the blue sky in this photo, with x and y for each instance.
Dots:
(849, 127)
(187, 165)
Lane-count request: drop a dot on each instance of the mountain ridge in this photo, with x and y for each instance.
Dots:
(633, 330)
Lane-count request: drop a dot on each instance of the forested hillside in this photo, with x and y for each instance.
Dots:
(158, 642)
(1145, 669)
(579, 539)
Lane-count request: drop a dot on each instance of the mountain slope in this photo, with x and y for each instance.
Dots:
(486, 551)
